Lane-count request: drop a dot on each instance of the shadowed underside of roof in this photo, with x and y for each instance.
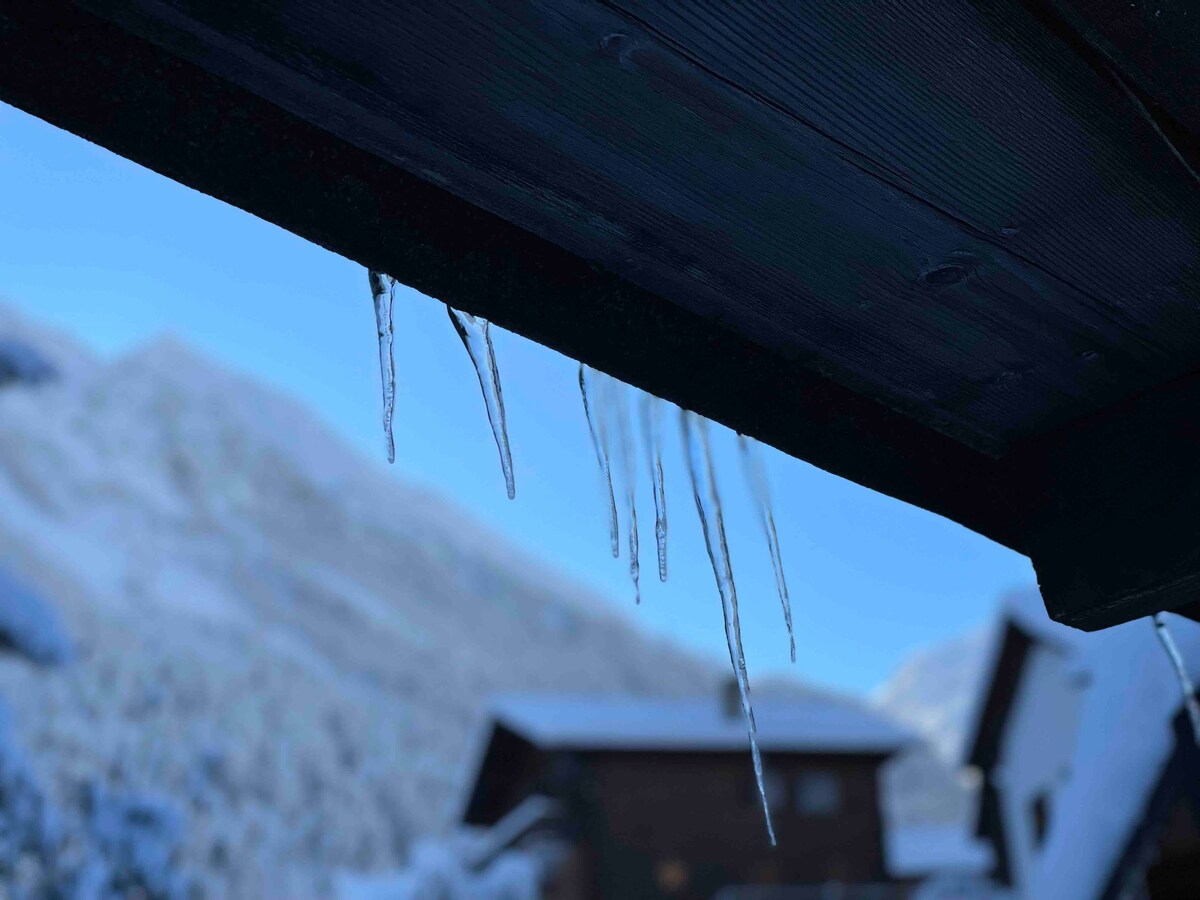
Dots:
(949, 250)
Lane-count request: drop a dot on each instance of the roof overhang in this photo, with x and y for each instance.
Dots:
(950, 251)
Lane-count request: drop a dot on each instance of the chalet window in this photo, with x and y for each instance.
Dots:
(1039, 811)
(775, 788)
(818, 793)
(671, 875)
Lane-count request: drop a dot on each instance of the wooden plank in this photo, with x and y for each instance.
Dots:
(926, 249)
(890, 273)
(980, 111)
(1153, 46)
(107, 85)
(1115, 531)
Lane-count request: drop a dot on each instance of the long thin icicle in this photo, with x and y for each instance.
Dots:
(616, 408)
(651, 416)
(383, 292)
(1185, 680)
(712, 522)
(476, 336)
(756, 477)
(600, 444)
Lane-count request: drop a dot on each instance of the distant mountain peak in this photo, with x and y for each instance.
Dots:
(934, 690)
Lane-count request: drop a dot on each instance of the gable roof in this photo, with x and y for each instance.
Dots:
(1126, 740)
(799, 724)
(1023, 622)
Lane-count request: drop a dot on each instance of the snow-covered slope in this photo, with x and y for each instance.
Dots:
(934, 691)
(270, 630)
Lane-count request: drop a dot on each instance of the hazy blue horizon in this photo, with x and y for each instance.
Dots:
(116, 254)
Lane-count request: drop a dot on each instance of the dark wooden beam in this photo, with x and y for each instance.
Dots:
(1151, 46)
(1114, 533)
(932, 247)
(99, 81)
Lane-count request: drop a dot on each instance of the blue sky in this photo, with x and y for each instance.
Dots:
(117, 254)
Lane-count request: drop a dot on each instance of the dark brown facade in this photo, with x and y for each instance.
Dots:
(685, 824)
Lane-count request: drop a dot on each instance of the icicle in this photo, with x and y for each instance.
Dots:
(383, 291)
(757, 477)
(617, 408)
(600, 444)
(708, 508)
(651, 415)
(476, 336)
(1185, 681)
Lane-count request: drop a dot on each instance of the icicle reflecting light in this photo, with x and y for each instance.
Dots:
(477, 338)
(1181, 672)
(383, 292)
(600, 444)
(651, 417)
(712, 522)
(756, 477)
(616, 408)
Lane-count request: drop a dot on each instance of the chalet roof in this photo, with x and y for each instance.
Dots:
(800, 724)
(1021, 623)
(1126, 738)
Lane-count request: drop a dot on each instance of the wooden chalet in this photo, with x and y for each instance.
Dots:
(1089, 770)
(658, 797)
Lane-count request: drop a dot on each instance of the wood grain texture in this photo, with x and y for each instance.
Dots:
(99, 81)
(922, 245)
(894, 194)
(1153, 45)
(1113, 529)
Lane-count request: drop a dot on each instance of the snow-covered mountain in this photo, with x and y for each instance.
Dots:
(269, 629)
(934, 691)
(273, 639)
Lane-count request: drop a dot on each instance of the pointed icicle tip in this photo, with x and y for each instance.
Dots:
(615, 408)
(712, 523)
(651, 418)
(383, 294)
(599, 437)
(1191, 704)
(756, 477)
(476, 336)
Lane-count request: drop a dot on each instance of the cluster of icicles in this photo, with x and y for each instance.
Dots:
(606, 403)
(606, 407)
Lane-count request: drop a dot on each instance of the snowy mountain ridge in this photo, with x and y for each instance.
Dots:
(269, 629)
(935, 690)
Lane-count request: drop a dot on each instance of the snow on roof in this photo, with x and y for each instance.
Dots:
(29, 626)
(556, 721)
(914, 851)
(1125, 739)
(1024, 610)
